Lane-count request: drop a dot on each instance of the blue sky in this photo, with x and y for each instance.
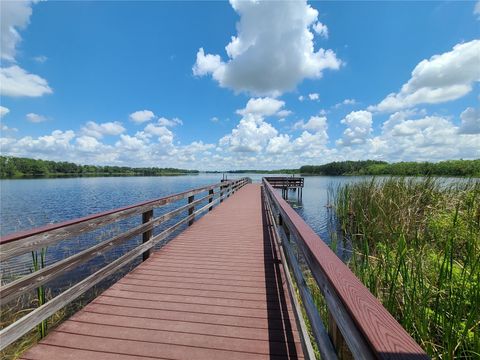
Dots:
(219, 85)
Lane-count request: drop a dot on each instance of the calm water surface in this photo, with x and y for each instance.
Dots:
(29, 203)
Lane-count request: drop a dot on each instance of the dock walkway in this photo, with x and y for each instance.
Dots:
(214, 292)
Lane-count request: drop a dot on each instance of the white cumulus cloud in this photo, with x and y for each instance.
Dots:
(321, 29)
(470, 121)
(273, 50)
(359, 127)
(164, 135)
(441, 78)
(262, 107)
(16, 82)
(14, 16)
(251, 135)
(142, 116)
(98, 131)
(171, 123)
(315, 123)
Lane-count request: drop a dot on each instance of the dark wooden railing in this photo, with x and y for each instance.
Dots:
(31, 240)
(356, 319)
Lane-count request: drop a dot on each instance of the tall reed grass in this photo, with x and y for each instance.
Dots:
(416, 246)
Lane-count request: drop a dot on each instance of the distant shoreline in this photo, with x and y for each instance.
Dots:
(25, 168)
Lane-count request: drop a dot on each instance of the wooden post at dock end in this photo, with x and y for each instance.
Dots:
(147, 235)
(210, 192)
(191, 209)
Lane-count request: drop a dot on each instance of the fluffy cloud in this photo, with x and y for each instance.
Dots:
(171, 123)
(315, 123)
(279, 144)
(97, 131)
(88, 144)
(164, 135)
(13, 15)
(35, 118)
(444, 77)
(470, 121)
(429, 138)
(53, 146)
(414, 136)
(4, 111)
(313, 96)
(321, 29)
(345, 102)
(359, 127)
(284, 113)
(251, 135)
(273, 50)
(15, 81)
(142, 116)
(255, 142)
(262, 107)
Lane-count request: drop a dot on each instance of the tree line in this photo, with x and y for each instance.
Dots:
(11, 167)
(465, 168)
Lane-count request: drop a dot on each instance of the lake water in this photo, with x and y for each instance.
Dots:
(29, 203)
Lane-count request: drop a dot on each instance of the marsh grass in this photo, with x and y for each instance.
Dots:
(38, 262)
(416, 246)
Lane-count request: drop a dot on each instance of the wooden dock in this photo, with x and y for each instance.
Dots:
(286, 183)
(235, 284)
(214, 292)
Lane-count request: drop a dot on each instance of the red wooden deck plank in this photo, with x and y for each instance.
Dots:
(213, 292)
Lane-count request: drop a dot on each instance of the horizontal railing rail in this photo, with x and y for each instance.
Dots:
(356, 319)
(30, 240)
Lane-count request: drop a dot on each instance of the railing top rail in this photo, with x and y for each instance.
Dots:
(385, 336)
(46, 228)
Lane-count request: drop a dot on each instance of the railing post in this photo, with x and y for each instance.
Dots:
(210, 192)
(191, 209)
(221, 193)
(287, 231)
(337, 339)
(147, 235)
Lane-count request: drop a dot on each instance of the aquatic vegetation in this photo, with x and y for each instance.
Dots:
(416, 246)
(41, 296)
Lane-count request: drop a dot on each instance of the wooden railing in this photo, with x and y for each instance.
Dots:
(31, 240)
(356, 319)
